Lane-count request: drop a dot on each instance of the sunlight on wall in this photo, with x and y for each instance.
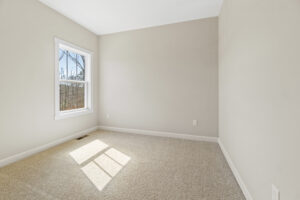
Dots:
(103, 168)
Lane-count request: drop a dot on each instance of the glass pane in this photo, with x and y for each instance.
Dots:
(80, 67)
(62, 64)
(71, 65)
(71, 95)
(76, 66)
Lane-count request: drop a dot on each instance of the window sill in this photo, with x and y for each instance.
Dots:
(72, 113)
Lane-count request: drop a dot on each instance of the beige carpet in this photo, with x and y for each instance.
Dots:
(118, 166)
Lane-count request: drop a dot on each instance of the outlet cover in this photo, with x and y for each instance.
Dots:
(275, 193)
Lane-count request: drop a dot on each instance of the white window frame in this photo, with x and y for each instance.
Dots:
(61, 44)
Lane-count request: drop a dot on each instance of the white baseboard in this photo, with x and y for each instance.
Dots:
(235, 172)
(22, 155)
(160, 134)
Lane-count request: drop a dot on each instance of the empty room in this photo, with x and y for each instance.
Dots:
(149, 99)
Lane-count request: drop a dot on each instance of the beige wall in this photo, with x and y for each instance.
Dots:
(259, 82)
(161, 78)
(27, 30)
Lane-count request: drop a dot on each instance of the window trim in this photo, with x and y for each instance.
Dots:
(88, 108)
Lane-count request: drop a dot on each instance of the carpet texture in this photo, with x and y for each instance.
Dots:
(118, 166)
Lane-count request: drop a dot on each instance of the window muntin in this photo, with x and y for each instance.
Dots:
(73, 83)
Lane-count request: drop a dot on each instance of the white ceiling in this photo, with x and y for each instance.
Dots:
(110, 16)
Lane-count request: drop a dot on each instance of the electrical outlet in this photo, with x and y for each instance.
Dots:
(195, 122)
(275, 193)
(107, 116)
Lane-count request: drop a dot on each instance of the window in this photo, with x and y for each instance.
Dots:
(73, 80)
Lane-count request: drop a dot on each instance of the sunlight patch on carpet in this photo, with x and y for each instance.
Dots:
(118, 156)
(87, 151)
(108, 165)
(96, 175)
(100, 170)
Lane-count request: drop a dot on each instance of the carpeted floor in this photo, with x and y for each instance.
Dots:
(118, 166)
